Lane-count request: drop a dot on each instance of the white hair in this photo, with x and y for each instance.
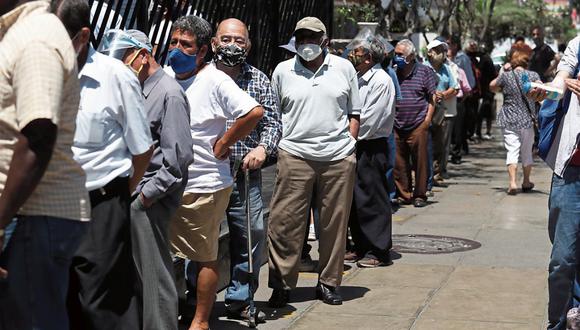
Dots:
(409, 45)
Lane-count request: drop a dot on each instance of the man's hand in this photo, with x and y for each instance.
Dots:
(439, 95)
(220, 150)
(573, 85)
(254, 159)
(147, 202)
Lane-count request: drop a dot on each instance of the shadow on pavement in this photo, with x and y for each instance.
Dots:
(533, 192)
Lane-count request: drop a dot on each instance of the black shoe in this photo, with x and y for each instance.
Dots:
(418, 202)
(328, 294)
(244, 314)
(279, 298)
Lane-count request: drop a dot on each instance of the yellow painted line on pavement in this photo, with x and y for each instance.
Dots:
(289, 316)
(398, 218)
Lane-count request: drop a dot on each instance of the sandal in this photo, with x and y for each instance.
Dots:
(512, 191)
(529, 188)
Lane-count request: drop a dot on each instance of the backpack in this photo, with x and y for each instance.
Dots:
(550, 116)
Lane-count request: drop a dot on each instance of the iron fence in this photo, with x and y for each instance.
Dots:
(270, 22)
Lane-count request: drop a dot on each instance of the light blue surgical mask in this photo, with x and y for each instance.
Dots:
(181, 62)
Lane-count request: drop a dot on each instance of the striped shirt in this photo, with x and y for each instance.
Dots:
(417, 89)
(38, 80)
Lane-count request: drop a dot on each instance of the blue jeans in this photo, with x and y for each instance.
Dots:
(392, 153)
(8, 231)
(237, 293)
(38, 258)
(564, 231)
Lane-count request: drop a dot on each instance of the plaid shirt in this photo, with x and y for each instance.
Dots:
(269, 130)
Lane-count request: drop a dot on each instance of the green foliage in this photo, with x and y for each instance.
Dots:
(510, 19)
(367, 12)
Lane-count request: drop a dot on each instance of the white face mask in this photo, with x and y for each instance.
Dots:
(309, 51)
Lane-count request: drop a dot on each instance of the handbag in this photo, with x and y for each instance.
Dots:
(525, 100)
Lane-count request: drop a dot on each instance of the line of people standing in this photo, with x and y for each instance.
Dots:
(113, 167)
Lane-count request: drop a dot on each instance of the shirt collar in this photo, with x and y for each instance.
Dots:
(298, 66)
(366, 77)
(246, 71)
(152, 81)
(11, 17)
(441, 69)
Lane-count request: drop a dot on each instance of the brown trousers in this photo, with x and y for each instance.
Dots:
(296, 180)
(412, 155)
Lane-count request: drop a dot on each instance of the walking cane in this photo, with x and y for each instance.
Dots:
(252, 313)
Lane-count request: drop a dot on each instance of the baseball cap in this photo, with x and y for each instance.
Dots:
(310, 23)
(290, 46)
(436, 43)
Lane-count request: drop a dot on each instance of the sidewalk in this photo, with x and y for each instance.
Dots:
(500, 285)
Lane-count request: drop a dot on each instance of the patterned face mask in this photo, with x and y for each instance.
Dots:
(230, 55)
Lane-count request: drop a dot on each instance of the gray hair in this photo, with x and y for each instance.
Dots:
(196, 26)
(409, 45)
(377, 50)
(371, 46)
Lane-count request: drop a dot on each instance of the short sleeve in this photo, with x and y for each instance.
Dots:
(38, 82)
(570, 59)
(534, 76)
(501, 79)
(430, 81)
(354, 103)
(233, 100)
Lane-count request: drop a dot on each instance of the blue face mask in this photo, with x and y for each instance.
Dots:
(400, 62)
(181, 62)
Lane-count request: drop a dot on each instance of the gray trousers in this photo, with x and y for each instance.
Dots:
(154, 265)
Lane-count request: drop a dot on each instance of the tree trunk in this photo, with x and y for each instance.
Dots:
(487, 20)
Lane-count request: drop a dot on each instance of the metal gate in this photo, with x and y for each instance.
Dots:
(270, 22)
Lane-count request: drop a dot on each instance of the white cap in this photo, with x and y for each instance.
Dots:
(436, 43)
(290, 46)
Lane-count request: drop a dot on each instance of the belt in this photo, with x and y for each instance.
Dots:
(116, 187)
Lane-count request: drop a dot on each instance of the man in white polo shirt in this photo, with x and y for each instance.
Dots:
(112, 143)
(214, 98)
(320, 108)
(370, 220)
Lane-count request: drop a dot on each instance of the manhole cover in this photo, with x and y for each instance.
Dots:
(432, 244)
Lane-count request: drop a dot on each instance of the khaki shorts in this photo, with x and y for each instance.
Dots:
(195, 228)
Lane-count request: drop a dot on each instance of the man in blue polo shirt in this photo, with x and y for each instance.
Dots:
(413, 117)
(445, 108)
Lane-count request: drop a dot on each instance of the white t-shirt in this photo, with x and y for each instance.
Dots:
(315, 107)
(214, 98)
(111, 125)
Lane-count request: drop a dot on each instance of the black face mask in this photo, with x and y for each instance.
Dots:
(230, 55)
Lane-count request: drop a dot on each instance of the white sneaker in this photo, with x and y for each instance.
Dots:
(311, 233)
